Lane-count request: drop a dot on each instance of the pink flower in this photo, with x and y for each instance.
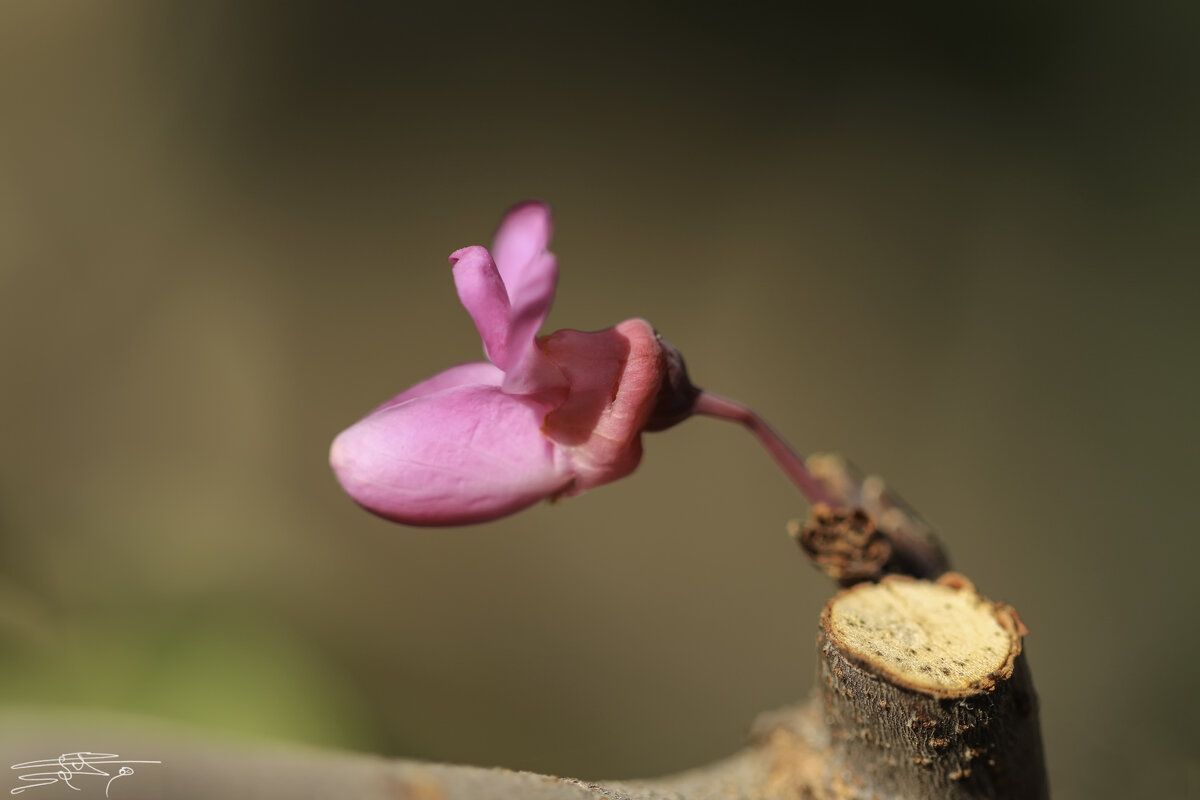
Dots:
(541, 418)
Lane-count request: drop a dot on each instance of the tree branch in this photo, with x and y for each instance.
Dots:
(193, 767)
(923, 694)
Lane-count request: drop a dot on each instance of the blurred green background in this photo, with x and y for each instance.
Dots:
(958, 244)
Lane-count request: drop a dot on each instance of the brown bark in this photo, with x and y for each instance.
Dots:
(869, 532)
(928, 695)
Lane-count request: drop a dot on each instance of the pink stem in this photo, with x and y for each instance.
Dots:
(713, 405)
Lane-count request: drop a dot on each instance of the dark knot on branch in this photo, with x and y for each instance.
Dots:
(844, 544)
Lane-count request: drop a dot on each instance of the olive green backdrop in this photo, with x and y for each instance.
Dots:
(958, 245)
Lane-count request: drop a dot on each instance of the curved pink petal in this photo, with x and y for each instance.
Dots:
(477, 372)
(526, 372)
(483, 294)
(523, 235)
(615, 376)
(461, 455)
(532, 303)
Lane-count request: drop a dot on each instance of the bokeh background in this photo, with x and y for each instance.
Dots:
(956, 243)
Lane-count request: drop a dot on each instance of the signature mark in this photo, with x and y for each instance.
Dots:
(70, 766)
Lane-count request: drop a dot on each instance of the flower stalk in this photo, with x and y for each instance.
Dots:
(718, 407)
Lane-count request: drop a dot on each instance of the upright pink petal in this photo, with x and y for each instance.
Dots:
(529, 273)
(523, 235)
(461, 455)
(532, 302)
(527, 371)
(483, 294)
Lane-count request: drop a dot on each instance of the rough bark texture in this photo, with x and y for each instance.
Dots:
(866, 506)
(846, 545)
(927, 694)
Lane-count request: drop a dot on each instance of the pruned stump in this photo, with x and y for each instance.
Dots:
(927, 694)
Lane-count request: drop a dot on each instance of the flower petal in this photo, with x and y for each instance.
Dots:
(532, 303)
(615, 376)
(460, 455)
(483, 294)
(523, 235)
(530, 272)
(527, 371)
(478, 372)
